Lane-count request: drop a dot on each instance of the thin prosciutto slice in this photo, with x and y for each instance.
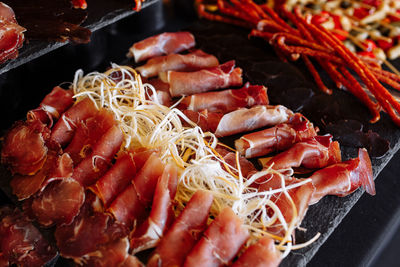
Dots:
(227, 100)
(189, 83)
(63, 131)
(116, 179)
(261, 254)
(220, 242)
(114, 253)
(148, 234)
(314, 153)
(239, 121)
(161, 44)
(21, 243)
(59, 203)
(99, 161)
(344, 178)
(195, 60)
(277, 138)
(184, 232)
(246, 167)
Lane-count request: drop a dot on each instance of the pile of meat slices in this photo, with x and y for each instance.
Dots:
(108, 203)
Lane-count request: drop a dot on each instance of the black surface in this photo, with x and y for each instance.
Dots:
(23, 88)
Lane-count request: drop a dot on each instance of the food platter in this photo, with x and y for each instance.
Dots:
(261, 66)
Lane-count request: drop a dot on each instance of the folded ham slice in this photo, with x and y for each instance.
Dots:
(344, 178)
(239, 121)
(227, 100)
(184, 232)
(161, 44)
(189, 83)
(195, 60)
(220, 242)
(21, 243)
(261, 254)
(277, 138)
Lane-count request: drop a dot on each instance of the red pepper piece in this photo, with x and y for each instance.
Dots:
(369, 45)
(320, 18)
(366, 54)
(385, 45)
(360, 12)
(374, 3)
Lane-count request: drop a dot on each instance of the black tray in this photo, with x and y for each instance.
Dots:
(226, 42)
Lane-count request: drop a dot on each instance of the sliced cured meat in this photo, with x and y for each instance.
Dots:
(24, 149)
(227, 100)
(184, 232)
(314, 153)
(261, 254)
(56, 166)
(59, 203)
(21, 243)
(87, 134)
(277, 138)
(132, 261)
(116, 179)
(161, 44)
(161, 216)
(63, 131)
(127, 208)
(79, 4)
(158, 84)
(344, 178)
(146, 179)
(11, 34)
(89, 231)
(111, 254)
(189, 83)
(239, 121)
(141, 155)
(52, 106)
(195, 60)
(299, 196)
(246, 167)
(96, 165)
(221, 241)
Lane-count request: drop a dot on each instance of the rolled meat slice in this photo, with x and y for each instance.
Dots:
(227, 100)
(344, 178)
(184, 232)
(21, 243)
(220, 242)
(314, 153)
(63, 131)
(246, 167)
(239, 121)
(189, 83)
(277, 138)
(161, 44)
(149, 233)
(195, 60)
(261, 254)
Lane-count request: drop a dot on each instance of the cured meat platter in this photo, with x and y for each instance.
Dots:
(340, 114)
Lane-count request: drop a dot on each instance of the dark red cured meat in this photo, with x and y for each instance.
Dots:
(277, 138)
(132, 261)
(59, 203)
(52, 106)
(24, 149)
(227, 100)
(344, 178)
(141, 155)
(108, 187)
(261, 254)
(195, 60)
(207, 121)
(111, 254)
(300, 196)
(87, 133)
(220, 242)
(127, 208)
(146, 179)
(313, 153)
(56, 166)
(149, 233)
(162, 44)
(63, 131)
(21, 243)
(246, 167)
(89, 231)
(184, 232)
(11, 34)
(189, 83)
(98, 162)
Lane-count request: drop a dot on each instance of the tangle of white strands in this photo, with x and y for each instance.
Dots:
(148, 124)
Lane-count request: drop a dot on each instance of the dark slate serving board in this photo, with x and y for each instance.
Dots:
(288, 84)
